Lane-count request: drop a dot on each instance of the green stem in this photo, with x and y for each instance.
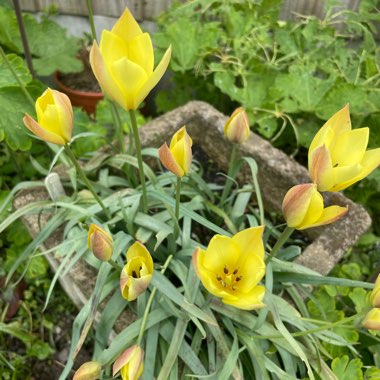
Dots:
(82, 174)
(136, 137)
(149, 304)
(114, 264)
(177, 197)
(91, 18)
(22, 86)
(119, 127)
(280, 242)
(229, 182)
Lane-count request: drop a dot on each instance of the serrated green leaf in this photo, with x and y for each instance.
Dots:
(6, 77)
(345, 370)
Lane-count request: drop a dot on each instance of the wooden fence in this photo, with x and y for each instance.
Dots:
(148, 9)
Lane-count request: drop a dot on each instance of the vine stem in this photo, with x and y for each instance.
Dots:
(136, 137)
(22, 86)
(177, 197)
(280, 242)
(228, 184)
(91, 19)
(149, 304)
(82, 174)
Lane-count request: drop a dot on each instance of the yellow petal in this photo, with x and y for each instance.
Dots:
(130, 77)
(325, 136)
(182, 154)
(167, 159)
(344, 176)
(350, 147)
(126, 26)
(329, 215)
(296, 203)
(252, 269)
(340, 122)
(222, 251)
(314, 210)
(320, 168)
(140, 51)
(112, 47)
(66, 114)
(248, 301)
(250, 240)
(372, 319)
(153, 79)
(104, 77)
(138, 250)
(137, 286)
(42, 133)
(43, 101)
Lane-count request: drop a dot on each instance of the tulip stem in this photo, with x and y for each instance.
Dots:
(119, 127)
(114, 264)
(280, 242)
(91, 18)
(177, 197)
(229, 182)
(22, 85)
(82, 174)
(149, 304)
(136, 137)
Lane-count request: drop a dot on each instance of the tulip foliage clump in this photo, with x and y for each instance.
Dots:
(187, 272)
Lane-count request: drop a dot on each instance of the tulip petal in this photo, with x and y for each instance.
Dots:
(329, 215)
(135, 367)
(250, 240)
(167, 159)
(124, 358)
(252, 270)
(182, 155)
(138, 250)
(222, 251)
(153, 79)
(130, 76)
(137, 286)
(112, 47)
(344, 176)
(66, 114)
(350, 147)
(315, 209)
(320, 168)
(43, 101)
(325, 136)
(126, 26)
(372, 319)
(296, 203)
(41, 132)
(104, 77)
(140, 51)
(340, 122)
(248, 301)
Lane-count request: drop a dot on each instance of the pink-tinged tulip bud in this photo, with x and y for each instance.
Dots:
(375, 295)
(88, 371)
(337, 155)
(130, 363)
(303, 208)
(178, 157)
(55, 118)
(237, 127)
(100, 242)
(372, 319)
(123, 62)
(137, 273)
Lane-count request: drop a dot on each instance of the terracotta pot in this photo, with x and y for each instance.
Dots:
(86, 100)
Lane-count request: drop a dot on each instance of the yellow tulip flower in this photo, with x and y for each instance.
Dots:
(231, 268)
(303, 208)
(375, 294)
(88, 371)
(178, 157)
(130, 363)
(123, 63)
(55, 118)
(372, 319)
(137, 273)
(100, 242)
(338, 156)
(237, 127)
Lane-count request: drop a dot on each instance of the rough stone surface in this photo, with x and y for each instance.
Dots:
(277, 173)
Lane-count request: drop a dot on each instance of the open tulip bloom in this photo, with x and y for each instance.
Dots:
(123, 63)
(231, 268)
(338, 156)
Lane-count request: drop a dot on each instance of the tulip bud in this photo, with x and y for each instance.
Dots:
(55, 118)
(372, 319)
(88, 371)
(237, 127)
(303, 208)
(100, 242)
(375, 295)
(130, 363)
(137, 273)
(178, 157)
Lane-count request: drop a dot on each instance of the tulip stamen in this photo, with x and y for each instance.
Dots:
(225, 270)
(134, 274)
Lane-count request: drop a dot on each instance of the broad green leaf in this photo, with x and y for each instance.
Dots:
(6, 77)
(347, 370)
